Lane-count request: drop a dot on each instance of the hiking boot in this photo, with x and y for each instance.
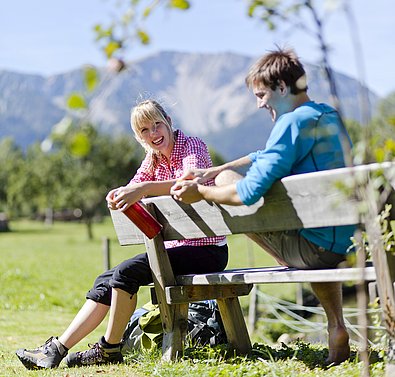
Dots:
(98, 353)
(49, 355)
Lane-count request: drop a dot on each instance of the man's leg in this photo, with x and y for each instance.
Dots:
(330, 297)
(227, 177)
(329, 294)
(230, 176)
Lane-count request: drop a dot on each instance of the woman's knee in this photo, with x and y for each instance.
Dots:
(131, 274)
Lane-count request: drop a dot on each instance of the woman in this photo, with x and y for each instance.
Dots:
(169, 153)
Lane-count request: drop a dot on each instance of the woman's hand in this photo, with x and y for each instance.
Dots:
(111, 199)
(124, 196)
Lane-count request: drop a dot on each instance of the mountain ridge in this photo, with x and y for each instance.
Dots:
(205, 95)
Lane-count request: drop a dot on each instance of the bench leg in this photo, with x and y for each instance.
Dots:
(234, 323)
(174, 336)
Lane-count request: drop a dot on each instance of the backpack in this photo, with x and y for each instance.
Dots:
(205, 326)
(144, 329)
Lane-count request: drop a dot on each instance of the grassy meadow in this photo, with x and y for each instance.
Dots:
(45, 273)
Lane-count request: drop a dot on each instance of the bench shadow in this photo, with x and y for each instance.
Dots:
(276, 208)
(311, 355)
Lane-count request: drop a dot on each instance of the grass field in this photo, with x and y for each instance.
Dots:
(45, 273)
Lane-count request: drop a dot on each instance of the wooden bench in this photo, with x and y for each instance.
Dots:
(300, 201)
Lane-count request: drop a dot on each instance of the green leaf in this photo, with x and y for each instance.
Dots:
(379, 154)
(102, 33)
(111, 47)
(76, 101)
(392, 224)
(91, 78)
(180, 4)
(80, 145)
(147, 11)
(143, 36)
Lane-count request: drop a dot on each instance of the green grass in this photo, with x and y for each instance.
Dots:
(45, 273)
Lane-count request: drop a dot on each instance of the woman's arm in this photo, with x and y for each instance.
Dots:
(124, 196)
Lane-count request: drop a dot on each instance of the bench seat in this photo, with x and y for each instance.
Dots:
(265, 275)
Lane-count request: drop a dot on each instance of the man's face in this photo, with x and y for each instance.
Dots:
(269, 99)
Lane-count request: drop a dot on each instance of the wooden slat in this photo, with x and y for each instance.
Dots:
(127, 232)
(278, 275)
(190, 293)
(299, 201)
(235, 326)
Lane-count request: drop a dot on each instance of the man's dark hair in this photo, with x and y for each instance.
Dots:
(276, 66)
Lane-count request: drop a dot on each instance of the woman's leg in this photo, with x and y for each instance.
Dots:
(92, 313)
(87, 319)
(125, 282)
(122, 307)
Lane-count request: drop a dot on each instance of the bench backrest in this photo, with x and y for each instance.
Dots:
(299, 201)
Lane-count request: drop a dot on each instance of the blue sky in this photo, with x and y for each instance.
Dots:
(49, 36)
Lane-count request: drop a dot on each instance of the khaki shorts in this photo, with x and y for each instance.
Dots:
(291, 249)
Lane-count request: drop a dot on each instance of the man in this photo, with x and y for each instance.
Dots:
(306, 137)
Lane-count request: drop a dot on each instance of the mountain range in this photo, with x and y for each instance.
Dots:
(205, 95)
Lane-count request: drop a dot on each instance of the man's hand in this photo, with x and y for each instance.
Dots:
(186, 191)
(200, 175)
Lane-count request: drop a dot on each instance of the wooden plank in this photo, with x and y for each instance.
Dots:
(162, 276)
(278, 275)
(173, 341)
(234, 324)
(191, 293)
(174, 317)
(299, 201)
(127, 233)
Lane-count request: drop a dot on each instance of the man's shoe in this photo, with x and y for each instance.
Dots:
(49, 355)
(98, 354)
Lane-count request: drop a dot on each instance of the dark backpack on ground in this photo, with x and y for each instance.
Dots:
(205, 326)
(144, 330)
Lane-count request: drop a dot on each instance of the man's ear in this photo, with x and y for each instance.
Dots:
(283, 87)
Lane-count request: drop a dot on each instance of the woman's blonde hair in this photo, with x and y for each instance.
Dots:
(149, 111)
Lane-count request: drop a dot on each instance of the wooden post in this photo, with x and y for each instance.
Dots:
(174, 317)
(384, 266)
(362, 306)
(235, 326)
(252, 309)
(253, 304)
(4, 223)
(106, 253)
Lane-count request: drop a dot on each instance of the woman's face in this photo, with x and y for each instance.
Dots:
(158, 136)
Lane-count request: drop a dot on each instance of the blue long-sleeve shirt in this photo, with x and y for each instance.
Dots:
(305, 140)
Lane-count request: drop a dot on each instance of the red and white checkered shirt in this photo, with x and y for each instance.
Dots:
(188, 153)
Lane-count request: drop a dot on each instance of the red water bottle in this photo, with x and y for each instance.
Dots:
(143, 220)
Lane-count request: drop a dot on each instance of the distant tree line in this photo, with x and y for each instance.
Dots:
(60, 178)
(72, 170)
